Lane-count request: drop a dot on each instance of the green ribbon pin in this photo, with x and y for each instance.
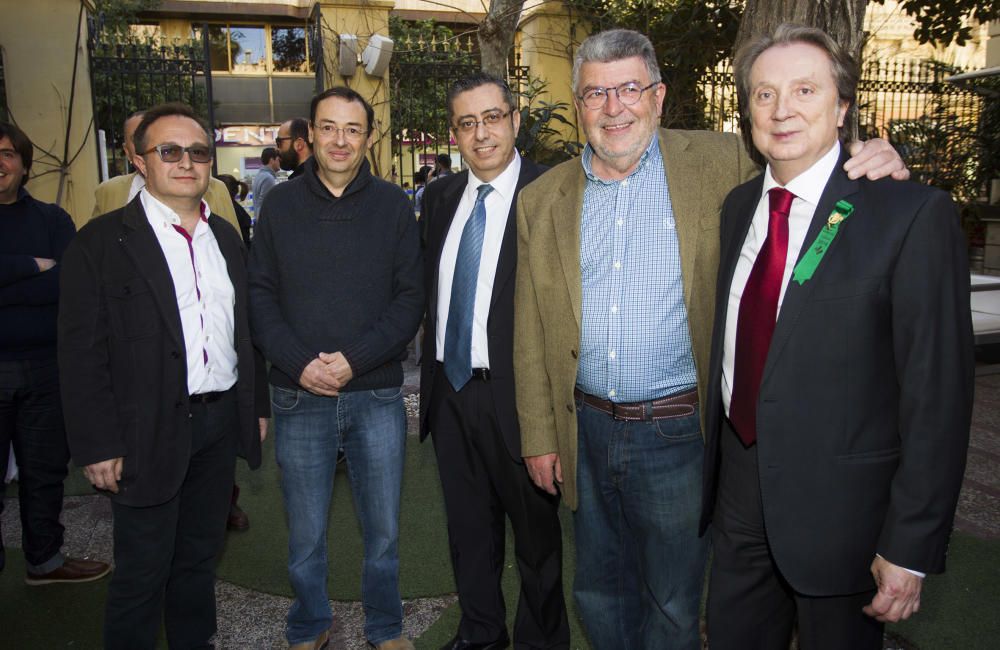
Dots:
(807, 265)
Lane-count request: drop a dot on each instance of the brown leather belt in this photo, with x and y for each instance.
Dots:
(672, 406)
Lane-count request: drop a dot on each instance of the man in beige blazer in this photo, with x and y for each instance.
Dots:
(618, 253)
(115, 192)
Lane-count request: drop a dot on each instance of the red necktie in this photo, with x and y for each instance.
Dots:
(758, 313)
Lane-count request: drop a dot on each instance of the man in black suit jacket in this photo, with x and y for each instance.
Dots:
(841, 385)
(467, 381)
(158, 382)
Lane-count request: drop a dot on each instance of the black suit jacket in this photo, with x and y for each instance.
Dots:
(866, 399)
(440, 201)
(122, 362)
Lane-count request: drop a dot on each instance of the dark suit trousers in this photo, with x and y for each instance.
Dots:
(165, 555)
(750, 605)
(482, 483)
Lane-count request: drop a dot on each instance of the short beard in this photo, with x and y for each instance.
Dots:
(288, 159)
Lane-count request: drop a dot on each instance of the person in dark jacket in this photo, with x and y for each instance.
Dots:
(335, 297)
(159, 382)
(33, 237)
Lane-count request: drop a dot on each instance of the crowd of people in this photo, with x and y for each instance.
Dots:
(685, 349)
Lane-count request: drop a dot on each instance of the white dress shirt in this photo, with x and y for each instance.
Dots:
(808, 189)
(498, 204)
(205, 296)
(138, 182)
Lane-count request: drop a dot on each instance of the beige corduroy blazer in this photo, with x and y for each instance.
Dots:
(701, 168)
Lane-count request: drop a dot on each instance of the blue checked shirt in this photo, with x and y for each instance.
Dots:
(635, 345)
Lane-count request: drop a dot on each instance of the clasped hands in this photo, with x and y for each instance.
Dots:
(326, 374)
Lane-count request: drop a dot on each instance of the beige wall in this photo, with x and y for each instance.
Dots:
(362, 18)
(993, 45)
(891, 39)
(548, 40)
(38, 78)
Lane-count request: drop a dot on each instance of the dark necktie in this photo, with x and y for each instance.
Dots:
(758, 313)
(458, 332)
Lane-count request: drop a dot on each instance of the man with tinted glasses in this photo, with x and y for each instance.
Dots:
(158, 379)
(617, 258)
(115, 192)
(467, 381)
(335, 297)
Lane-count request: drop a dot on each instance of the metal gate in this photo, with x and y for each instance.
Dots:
(127, 77)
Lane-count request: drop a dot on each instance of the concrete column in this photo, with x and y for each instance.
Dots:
(550, 34)
(362, 18)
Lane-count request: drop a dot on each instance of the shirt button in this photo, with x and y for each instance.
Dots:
(618, 264)
(619, 222)
(612, 393)
(625, 183)
(614, 309)
(611, 354)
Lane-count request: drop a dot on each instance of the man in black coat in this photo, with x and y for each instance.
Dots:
(840, 393)
(467, 381)
(158, 379)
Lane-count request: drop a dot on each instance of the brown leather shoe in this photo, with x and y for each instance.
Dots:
(72, 570)
(237, 520)
(319, 643)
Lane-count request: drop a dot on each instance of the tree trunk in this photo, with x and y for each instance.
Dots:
(496, 35)
(841, 19)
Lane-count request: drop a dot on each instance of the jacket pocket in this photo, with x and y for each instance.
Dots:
(132, 310)
(868, 457)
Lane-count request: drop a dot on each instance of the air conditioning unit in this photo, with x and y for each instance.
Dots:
(348, 54)
(376, 56)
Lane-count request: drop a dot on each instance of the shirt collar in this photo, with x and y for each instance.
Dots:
(653, 149)
(160, 215)
(503, 185)
(808, 185)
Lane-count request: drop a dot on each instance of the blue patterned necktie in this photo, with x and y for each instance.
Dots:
(458, 333)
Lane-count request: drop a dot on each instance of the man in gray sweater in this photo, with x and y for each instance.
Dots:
(335, 296)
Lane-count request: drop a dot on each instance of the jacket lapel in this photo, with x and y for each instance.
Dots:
(450, 199)
(508, 247)
(147, 257)
(796, 296)
(564, 216)
(684, 182)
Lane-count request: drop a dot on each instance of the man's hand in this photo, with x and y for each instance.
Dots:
(105, 474)
(875, 158)
(316, 378)
(262, 423)
(44, 264)
(545, 471)
(898, 595)
(338, 367)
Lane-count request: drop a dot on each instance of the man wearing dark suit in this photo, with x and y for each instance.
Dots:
(841, 389)
(467, 381)
(158, 379)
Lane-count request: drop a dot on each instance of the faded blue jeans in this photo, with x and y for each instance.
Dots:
(640, 564)
(370, 426)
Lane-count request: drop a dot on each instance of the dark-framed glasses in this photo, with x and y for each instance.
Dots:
(628, 94)
(352, 133)
(171, 153)
(491, 119)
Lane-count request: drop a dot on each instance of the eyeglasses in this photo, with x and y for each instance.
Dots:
(627, 93)
(352, 133)
(491, 119)
(278, 140)
(171, 153)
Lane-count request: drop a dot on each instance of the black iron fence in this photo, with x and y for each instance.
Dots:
(933, 124)
(127, 77)
(420, 75)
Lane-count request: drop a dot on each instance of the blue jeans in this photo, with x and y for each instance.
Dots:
(640, 564)
(370, 426)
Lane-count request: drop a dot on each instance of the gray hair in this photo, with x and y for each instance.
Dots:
(843, 66)
(615, 45)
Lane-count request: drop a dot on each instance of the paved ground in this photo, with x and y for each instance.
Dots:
(249, 619)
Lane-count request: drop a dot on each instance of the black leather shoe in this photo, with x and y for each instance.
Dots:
(458, 643)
